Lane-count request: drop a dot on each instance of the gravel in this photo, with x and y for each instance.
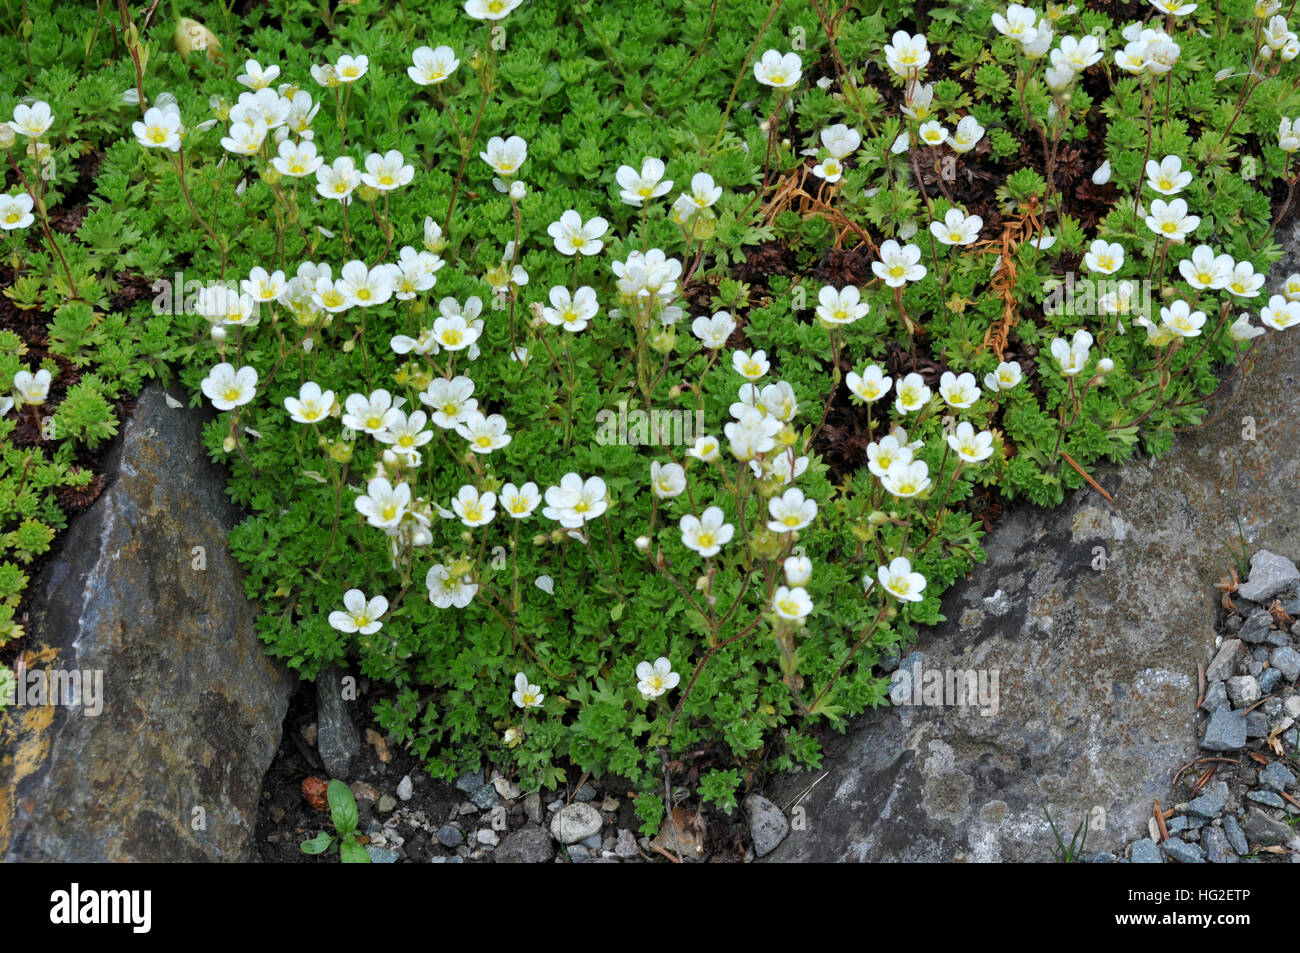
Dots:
(528, 845)
(1145, 851)
(1217, 848)
(1225, 731)
(1270, 575)
(1287, 661)
(1244, 691)
(1212, 802)
(1277, 777)
(767, 824)
(1183, 852)
(1236, 837)
(575, 822)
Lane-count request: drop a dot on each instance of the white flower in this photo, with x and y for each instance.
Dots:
(255, 77)
(312, 405)
(349, 69)
(906, 478)
(575, 501)
(1072, 355)
(899, 581)
(967, 135)
(705, 448)
(1244, 282)
(33, 389)
(228, 388)
(32, 121)
(840, 141)
(703, 190)
(473, 508)
(829, 169)
(1280, 314)
(905, 54)
(297, 160)
(640, 187)
(525, 695)
(383, 504)
(505, 156)
(1243, 330)
(432, 66)
(882, 454)
(957, 228)
(367, 287)
(870, 385)
(933, 133)
(1206, 270)
(520, 501)
(1101, 175)
(790, 511)
(339, 180)
(1017, 24)
(1104, 258)
(451, 401)
(406, 435)
(454, 332)
(361, 616)
(484, 434)
(898, 266)
(912, 394)
(1167, 176)
(958, 392)
(970, 446)
(573, 237)
(655, 679)
(16, 211)
(161, 129)
(777, 70)
(1007, 376)
(388, 171)
(667, 480)
(1180, 319)
(791, 604)
(1288, 136)
(244, 139)
(1171, 219)
(750, 366)
(1076, 55)
(490, 10)
(798, 570)
(571, 312)
(708, 533)
(370, 414)
(713, 332)
(446, 591)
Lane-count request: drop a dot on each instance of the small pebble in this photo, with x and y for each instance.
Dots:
(405, 788)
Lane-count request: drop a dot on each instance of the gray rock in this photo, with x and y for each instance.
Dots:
(1256, 725)
(585, 793)
(1211, 802)
(1225, 731)
(1256, 627)
(1267, 798)
(506, 788)
(1268, 680)
(626, 845)
(591, 843)
(533, 808)
(405, 788)
(1277, 637)
(1177, 824)
(578, 854)
(484, 797)
(386, 803)
(1216, 696)
(1217, 849)
(1236, 837)
(1262, 830)
(575, 822)
(470, 781)
(1270, 575)
(449, 835)
(767, 824)
(382, 855)
(1287, 661)
(1243, 690)
(528, 845)
(189, 708)
(1224, 663)
(337, 740)
(1277, 777)
(1183, 852)
(1094, 699)
(1145, 851)
(488, 837)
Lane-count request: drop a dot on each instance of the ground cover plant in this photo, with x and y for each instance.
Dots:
(620, 384)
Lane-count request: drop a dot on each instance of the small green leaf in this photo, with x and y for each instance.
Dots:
(343, 807)
(318, 844)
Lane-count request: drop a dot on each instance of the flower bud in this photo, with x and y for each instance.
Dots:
(228, 444)
(191, 35)
(518, 190)
(218, 333)
(643, 544)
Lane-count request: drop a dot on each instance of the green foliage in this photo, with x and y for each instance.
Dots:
(472, 605)
(343, 815)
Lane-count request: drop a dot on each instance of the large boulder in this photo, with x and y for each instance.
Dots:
(171, 767)
(1097, 667)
